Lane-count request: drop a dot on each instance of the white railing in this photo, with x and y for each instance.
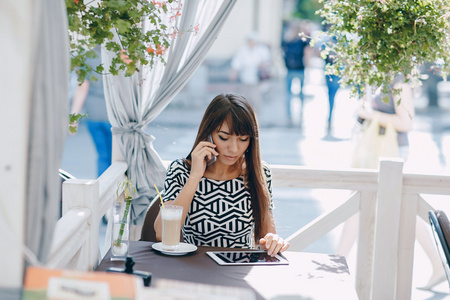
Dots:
(387, 200)
(75, 242)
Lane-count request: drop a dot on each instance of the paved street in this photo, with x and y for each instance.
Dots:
(308, 145)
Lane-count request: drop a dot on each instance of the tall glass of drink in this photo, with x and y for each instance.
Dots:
(171, 226)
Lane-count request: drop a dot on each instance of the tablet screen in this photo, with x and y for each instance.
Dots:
(245, 258)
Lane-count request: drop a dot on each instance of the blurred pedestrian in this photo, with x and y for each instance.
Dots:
(89, 97)
(333, 86)
(296, 52)
(248, 64)
(332, 82)
(398, 111)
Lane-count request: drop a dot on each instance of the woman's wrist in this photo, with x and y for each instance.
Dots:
(194, 179)
(192, 183)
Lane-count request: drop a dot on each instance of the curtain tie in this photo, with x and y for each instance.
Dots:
(131, 128)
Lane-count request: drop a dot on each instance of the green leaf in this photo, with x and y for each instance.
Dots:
(75, 118)
(123, 26)
(73, 129)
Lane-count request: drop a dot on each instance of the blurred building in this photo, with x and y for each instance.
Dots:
(262, 16)
(265, 17)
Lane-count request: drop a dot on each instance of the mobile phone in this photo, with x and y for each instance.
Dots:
(213, 157)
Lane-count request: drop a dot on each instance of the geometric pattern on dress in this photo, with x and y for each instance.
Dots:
(220, 214)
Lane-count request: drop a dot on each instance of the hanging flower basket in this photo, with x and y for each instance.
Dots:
(377, 39)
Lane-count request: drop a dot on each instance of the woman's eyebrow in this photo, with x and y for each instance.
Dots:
(224, 132)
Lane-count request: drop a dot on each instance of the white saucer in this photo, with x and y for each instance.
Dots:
(183, 249)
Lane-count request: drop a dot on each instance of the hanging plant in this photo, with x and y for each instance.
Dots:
(93, 22)
(374, 40)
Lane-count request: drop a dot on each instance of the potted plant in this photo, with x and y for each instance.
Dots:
(374, 40)
(121, 219)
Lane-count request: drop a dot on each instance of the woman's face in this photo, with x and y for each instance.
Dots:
(231, 147)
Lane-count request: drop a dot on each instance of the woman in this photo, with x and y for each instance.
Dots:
(226, 202)
(400, 112)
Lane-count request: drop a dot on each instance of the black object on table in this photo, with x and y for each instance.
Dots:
(129, 263)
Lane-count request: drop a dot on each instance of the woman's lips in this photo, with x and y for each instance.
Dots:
(230, 157)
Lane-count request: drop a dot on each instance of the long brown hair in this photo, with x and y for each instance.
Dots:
(241, 119)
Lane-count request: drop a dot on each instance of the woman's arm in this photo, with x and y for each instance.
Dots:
(184, 198)
(402, 120)
(404, 112)
(79, 97)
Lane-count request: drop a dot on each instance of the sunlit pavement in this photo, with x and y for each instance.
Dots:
(308, 144)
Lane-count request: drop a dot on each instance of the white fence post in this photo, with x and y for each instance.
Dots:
(387, 225)
(366, 236)
(406, 243)
(85, 193)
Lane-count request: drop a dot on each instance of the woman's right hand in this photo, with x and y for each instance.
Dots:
(273, 243)
(365, 111)
(203, 151)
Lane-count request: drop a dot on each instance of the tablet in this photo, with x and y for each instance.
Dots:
(246, 258)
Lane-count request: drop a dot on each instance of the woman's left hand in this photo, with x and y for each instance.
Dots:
(365, 111)
(273, 244)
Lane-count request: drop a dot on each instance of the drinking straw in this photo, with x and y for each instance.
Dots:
(160, 198)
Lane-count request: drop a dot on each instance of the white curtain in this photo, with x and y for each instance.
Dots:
(48, 124)
(133, 102)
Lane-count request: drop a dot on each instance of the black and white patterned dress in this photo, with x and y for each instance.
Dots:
(220, 214)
